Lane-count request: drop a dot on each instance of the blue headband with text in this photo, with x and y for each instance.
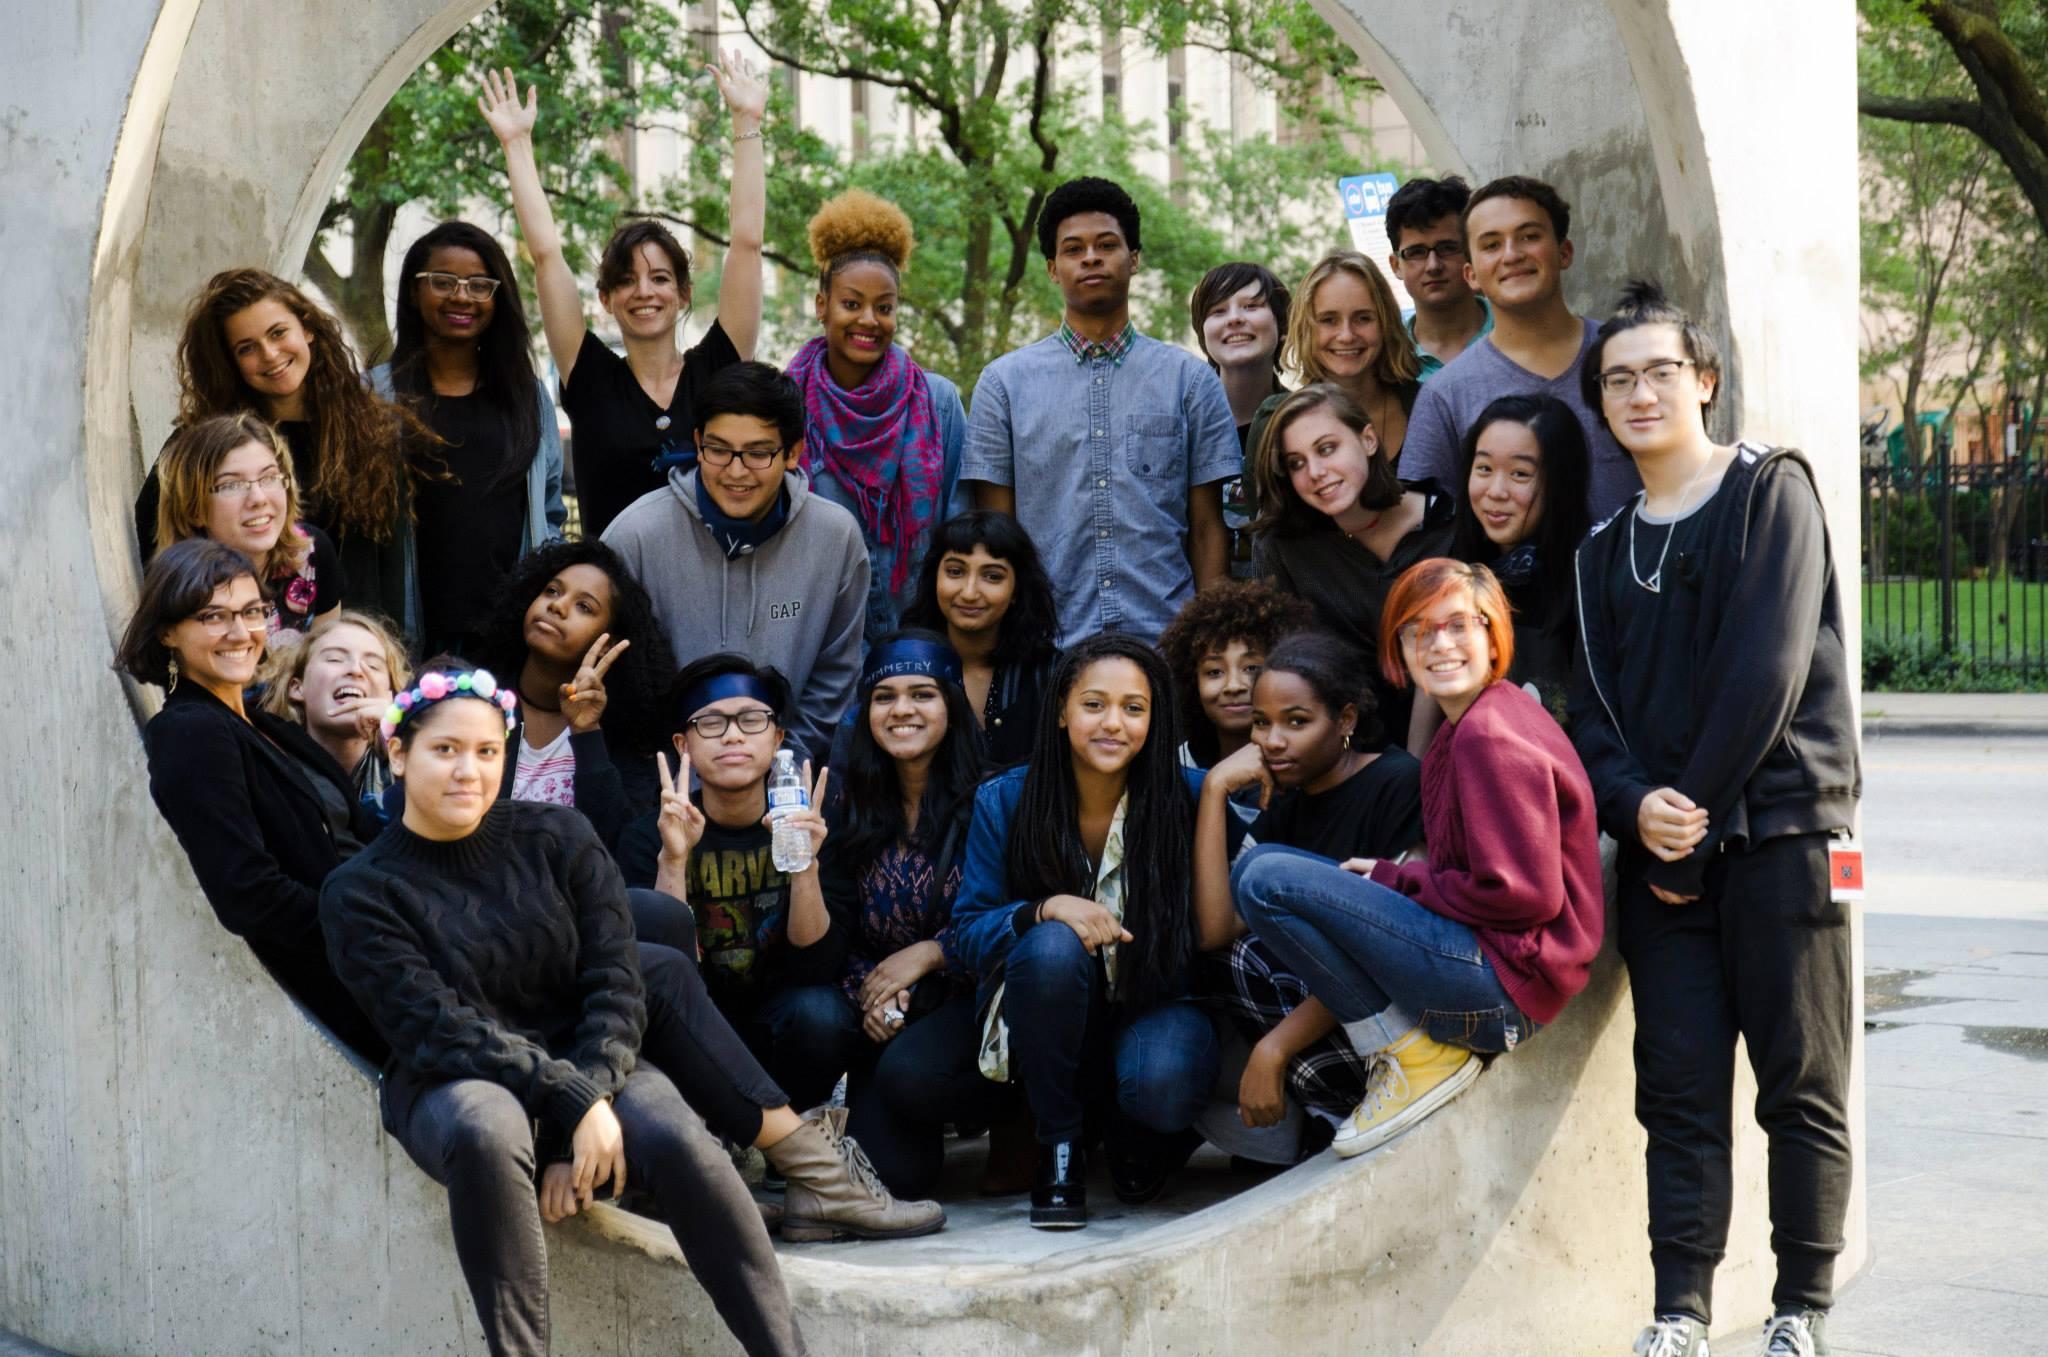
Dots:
(718, 687)
(908, 656)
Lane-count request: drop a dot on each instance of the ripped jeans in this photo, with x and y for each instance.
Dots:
(1381, 962)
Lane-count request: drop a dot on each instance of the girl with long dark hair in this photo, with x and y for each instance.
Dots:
(1337, 527)
(1327, 788)
(255, 344)
(983, 588)
(492, 946)
(1074, 914)
(891, 869)
(460, 360)
(590, 664)
(1524, 467)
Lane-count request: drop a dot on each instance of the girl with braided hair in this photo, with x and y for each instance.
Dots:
(882, 436)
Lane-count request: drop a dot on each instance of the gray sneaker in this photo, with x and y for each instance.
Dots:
(1673, 1336)
(1797, 1333)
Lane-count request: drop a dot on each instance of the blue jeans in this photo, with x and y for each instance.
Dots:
(1079, 1057)
(1378, 960)
(806, 1036)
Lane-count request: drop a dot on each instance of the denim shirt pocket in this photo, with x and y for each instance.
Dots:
(1155, 445)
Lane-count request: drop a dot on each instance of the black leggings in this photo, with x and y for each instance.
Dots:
(688, 1039)
(473, 1137)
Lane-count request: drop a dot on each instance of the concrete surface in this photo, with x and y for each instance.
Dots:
(1952, 825)
(1987, 714)
(187, 1166)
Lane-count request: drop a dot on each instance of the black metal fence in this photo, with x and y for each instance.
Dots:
(1955, 574)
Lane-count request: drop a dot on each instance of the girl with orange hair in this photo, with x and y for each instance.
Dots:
(1472, 948)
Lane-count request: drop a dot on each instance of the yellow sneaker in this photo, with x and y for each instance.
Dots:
(1409, 1080)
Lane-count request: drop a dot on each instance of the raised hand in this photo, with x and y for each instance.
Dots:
(681, 821)
(500, 105)
(583, 697)
(744, 92)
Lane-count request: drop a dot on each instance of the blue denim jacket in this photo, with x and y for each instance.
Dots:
(987, 918)
(1102, 455)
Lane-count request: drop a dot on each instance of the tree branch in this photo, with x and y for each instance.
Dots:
(1967, 114)
(845, 70)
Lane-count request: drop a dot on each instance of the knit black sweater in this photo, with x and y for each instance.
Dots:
(507, 955)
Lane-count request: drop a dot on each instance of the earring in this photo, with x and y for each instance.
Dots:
(173, 687)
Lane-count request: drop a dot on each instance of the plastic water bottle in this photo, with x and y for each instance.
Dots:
(791, 842)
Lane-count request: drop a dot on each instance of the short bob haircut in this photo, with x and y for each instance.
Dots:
(186, 471)
(1280, 509)
(1399, 363)
(1219, 284)
(1643, 302)
(291, 651)
(1427, 583)
(181, 580)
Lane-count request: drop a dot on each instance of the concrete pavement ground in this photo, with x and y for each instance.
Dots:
(1955, 713)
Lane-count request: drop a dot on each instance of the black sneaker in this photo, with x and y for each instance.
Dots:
(1141, 1165)
(1059, 1193)
(1673, 1336)
(1797, 1333)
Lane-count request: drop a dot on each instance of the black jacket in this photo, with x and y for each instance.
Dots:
(1773, 745)
(237, 795)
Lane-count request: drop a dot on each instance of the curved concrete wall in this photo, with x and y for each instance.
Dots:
(186, 1165)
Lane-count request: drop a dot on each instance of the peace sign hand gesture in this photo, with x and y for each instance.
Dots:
(681, 820)
(583, 697)
(500, 105)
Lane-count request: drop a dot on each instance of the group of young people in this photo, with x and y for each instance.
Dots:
(1185, 757)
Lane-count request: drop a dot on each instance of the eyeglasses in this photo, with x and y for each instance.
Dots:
(218, 621)
(235, 489)
(755, 458)
(1450, 251)
(1663, 376)
(1419, 635)
(713, 724)
(478, 286)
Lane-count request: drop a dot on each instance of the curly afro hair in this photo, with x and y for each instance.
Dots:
(858, 227)
(1250, 611)
(638, 679)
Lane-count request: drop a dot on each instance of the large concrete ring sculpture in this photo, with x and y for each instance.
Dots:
(187, 1165)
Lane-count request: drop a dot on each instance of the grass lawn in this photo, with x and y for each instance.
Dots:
(2001, 621)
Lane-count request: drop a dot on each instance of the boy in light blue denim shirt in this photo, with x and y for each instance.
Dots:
(1110, 447)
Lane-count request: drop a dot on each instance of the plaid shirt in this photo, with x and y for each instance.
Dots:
(1246, 985)
(1084, 349)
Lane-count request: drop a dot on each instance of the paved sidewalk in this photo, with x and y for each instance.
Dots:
(1955, 714)
(1957, 1164)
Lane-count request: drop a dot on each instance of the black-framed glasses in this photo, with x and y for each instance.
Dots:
(477, 285)
(235, 489)
(756, 458)
(712, 725)
(255, 618)
(1662, 376)
(1450, 251)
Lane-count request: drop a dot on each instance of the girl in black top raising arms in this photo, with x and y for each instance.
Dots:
(492, 945)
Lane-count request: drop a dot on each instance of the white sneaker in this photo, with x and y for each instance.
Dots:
(1673, 1336)
(1797, 1333)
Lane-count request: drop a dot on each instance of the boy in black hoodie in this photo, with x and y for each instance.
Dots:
(1713, 713)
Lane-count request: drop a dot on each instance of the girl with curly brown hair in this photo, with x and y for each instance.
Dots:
(882, 436)
(1216, 648)
(255, 344)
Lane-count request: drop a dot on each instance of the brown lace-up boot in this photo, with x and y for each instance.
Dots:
(835, 1193)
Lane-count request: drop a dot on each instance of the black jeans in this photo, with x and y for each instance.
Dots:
(473, 1137)
(689, 1040)
(900, 1095)
(1763, 954)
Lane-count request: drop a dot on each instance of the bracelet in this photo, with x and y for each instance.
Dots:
(754, 135)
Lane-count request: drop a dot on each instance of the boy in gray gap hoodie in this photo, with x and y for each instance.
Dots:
(738, 554)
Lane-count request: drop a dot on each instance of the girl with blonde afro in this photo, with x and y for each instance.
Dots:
(882, 436)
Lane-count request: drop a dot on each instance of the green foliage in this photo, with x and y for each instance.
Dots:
(1916, 663)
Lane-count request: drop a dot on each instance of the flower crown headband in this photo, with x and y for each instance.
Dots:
(435, 687)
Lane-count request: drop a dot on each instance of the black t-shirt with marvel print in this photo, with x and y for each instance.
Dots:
(618, 430)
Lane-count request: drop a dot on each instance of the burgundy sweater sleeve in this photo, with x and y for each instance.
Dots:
(1503, 867)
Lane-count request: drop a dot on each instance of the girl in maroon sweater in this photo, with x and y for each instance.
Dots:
(1481, 942)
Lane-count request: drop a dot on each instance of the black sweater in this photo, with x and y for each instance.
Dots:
(238, 796)
(507, 955)
(1761, 732)
(610, 791)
